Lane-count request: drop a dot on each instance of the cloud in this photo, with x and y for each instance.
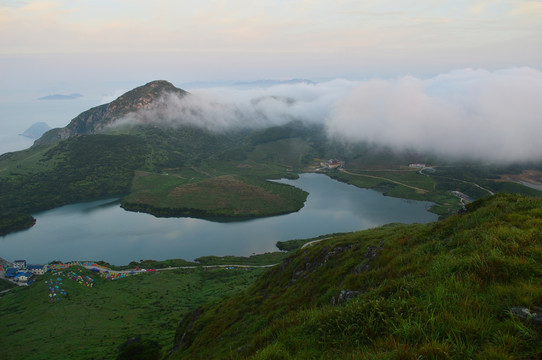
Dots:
(475, 114)
(468, 113)
(221, 109)
(12, 3)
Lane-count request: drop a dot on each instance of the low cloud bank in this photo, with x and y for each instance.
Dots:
(221, 109)
(492, 116)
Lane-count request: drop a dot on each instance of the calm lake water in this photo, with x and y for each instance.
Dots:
(102, 230)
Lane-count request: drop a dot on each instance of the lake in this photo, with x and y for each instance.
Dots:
(102, 230)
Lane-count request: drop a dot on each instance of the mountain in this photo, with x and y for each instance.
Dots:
(467, 287)
(36, 130)
(97, 119)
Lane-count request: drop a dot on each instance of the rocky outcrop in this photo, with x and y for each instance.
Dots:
(345, 295)
(95, 120)
(526, 314)
(370, 254)
(309, 265)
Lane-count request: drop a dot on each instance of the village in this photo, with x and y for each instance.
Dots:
(19, 272)
(331, 164)
(23, 274)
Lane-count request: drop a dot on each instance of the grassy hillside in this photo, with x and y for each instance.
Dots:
(73, 170)
(445, 290)
(436, 291)
(214, 190)
(206, 180)
(91, 323)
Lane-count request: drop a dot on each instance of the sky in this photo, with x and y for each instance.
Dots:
(424, 51)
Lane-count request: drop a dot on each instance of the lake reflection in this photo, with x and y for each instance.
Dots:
(102, 230)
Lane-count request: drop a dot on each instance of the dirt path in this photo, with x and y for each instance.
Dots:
(140, 271)
(313, 242)
(419, 190)
(463, 181)
(201, 172)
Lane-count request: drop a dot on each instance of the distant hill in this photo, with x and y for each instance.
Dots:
(36, 130)
(61, 97)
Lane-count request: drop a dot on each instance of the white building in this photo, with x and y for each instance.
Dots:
(23, 276)
(417, 165)
(20, 264)
(37, 269)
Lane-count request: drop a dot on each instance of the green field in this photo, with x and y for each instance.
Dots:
(405, 184)
(91, 323)
(197, 192)
(434, 185)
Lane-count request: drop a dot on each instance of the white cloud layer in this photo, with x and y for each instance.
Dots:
(476, 114)
(221, 109)
(495, 116)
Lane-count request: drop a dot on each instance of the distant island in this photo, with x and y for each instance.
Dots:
(36, 130)
(61, 97)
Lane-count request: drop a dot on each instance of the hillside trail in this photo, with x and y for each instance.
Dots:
(139, 271)
(463, 181)
(419, 190)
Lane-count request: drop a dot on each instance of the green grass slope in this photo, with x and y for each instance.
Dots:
(226, 196)
(211, 176)
(436, 291)
(93, 322)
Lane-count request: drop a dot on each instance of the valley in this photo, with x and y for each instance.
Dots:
(214, 173)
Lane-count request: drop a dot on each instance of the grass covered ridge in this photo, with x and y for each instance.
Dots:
(437, 291)
(195, 192)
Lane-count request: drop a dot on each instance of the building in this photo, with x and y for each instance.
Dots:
(331, 164)
(417, 165)
(37, 269)
(11, 272)
(23, 276)
(20, 264)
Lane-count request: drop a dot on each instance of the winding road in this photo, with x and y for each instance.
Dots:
(419, 190)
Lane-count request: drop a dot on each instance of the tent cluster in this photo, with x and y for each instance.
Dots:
(55, 289)
(113, 276)
(81, 279)
(61, 266)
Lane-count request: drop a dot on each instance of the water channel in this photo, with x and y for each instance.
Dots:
(102, 230)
